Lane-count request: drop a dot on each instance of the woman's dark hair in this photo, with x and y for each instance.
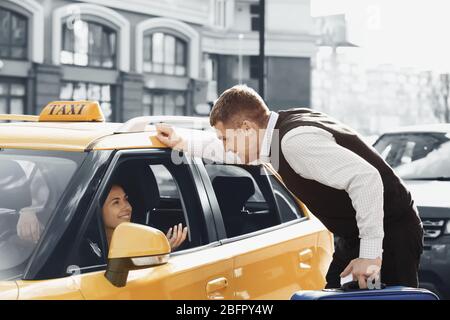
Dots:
(115, 181)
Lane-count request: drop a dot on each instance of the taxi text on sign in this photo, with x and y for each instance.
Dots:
(79, 111)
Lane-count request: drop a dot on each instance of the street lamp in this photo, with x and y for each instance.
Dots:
(240, 67)
(262, 40)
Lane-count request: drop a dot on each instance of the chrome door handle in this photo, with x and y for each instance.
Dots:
(305, 255)
(213, 286)
(304, 258)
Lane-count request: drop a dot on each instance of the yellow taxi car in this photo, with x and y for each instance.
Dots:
(248, 238)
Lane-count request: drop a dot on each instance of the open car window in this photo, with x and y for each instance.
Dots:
(161, 195)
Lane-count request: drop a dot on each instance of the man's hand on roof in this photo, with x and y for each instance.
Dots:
(167, 135)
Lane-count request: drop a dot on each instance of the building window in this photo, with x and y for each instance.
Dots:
(88, 44)
(103, 93)
(220, 13)
(211, 67)
(12, 96)
(13, 35)
(254, 15)
(166, 54)
(164, 102)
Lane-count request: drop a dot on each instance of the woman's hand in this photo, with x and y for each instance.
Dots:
(176, 236)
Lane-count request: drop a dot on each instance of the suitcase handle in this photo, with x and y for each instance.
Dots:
(354, 286)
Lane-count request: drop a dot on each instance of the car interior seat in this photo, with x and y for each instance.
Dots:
(15, 192)
(232, 193)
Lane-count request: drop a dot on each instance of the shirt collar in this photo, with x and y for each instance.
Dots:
(267, 139)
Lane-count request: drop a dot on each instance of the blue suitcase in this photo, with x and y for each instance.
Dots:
(350, 293)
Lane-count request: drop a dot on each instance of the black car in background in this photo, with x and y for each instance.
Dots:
(420, 155)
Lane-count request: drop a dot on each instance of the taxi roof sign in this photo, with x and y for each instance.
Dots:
(72, 111)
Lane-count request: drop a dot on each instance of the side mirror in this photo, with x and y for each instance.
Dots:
(133, 247)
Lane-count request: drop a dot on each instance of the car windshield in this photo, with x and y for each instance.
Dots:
(417, 156)
(31, 184)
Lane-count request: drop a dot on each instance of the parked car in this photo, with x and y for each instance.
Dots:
(421, 156)
(248, 238)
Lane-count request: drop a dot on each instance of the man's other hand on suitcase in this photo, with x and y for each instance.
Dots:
(362, 270)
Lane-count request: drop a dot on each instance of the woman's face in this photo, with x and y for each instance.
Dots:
(116, 208)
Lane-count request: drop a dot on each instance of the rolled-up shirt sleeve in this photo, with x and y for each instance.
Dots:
(210, 148)
(314, 154)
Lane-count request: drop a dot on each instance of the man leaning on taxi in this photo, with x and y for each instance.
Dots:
(340, 178)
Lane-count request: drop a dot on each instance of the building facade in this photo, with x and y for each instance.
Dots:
(150, 57)
(371, 100)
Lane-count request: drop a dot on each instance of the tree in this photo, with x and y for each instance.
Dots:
(439, 97)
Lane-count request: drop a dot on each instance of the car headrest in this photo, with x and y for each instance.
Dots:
(233, 192)
(15, 191)
(139, 182)
(149, 187)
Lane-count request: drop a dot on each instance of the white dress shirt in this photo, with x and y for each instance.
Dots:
(314, 154)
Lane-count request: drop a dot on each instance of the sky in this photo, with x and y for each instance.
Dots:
(406, 33)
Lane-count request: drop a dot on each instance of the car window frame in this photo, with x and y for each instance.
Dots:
(90, 216)
(218, 215)
(288, 193)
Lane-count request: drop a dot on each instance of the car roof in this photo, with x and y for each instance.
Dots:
(429, 128)
(182, 120)
(148, 123)
(73, 136)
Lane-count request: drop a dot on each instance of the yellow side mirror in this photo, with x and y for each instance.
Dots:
(132, 247)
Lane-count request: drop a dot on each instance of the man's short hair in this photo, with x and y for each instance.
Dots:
(237, 104)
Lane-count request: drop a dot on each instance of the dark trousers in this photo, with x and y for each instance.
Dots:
(402, 248)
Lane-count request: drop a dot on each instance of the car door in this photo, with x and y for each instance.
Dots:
(280, 249)
(199, 270)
